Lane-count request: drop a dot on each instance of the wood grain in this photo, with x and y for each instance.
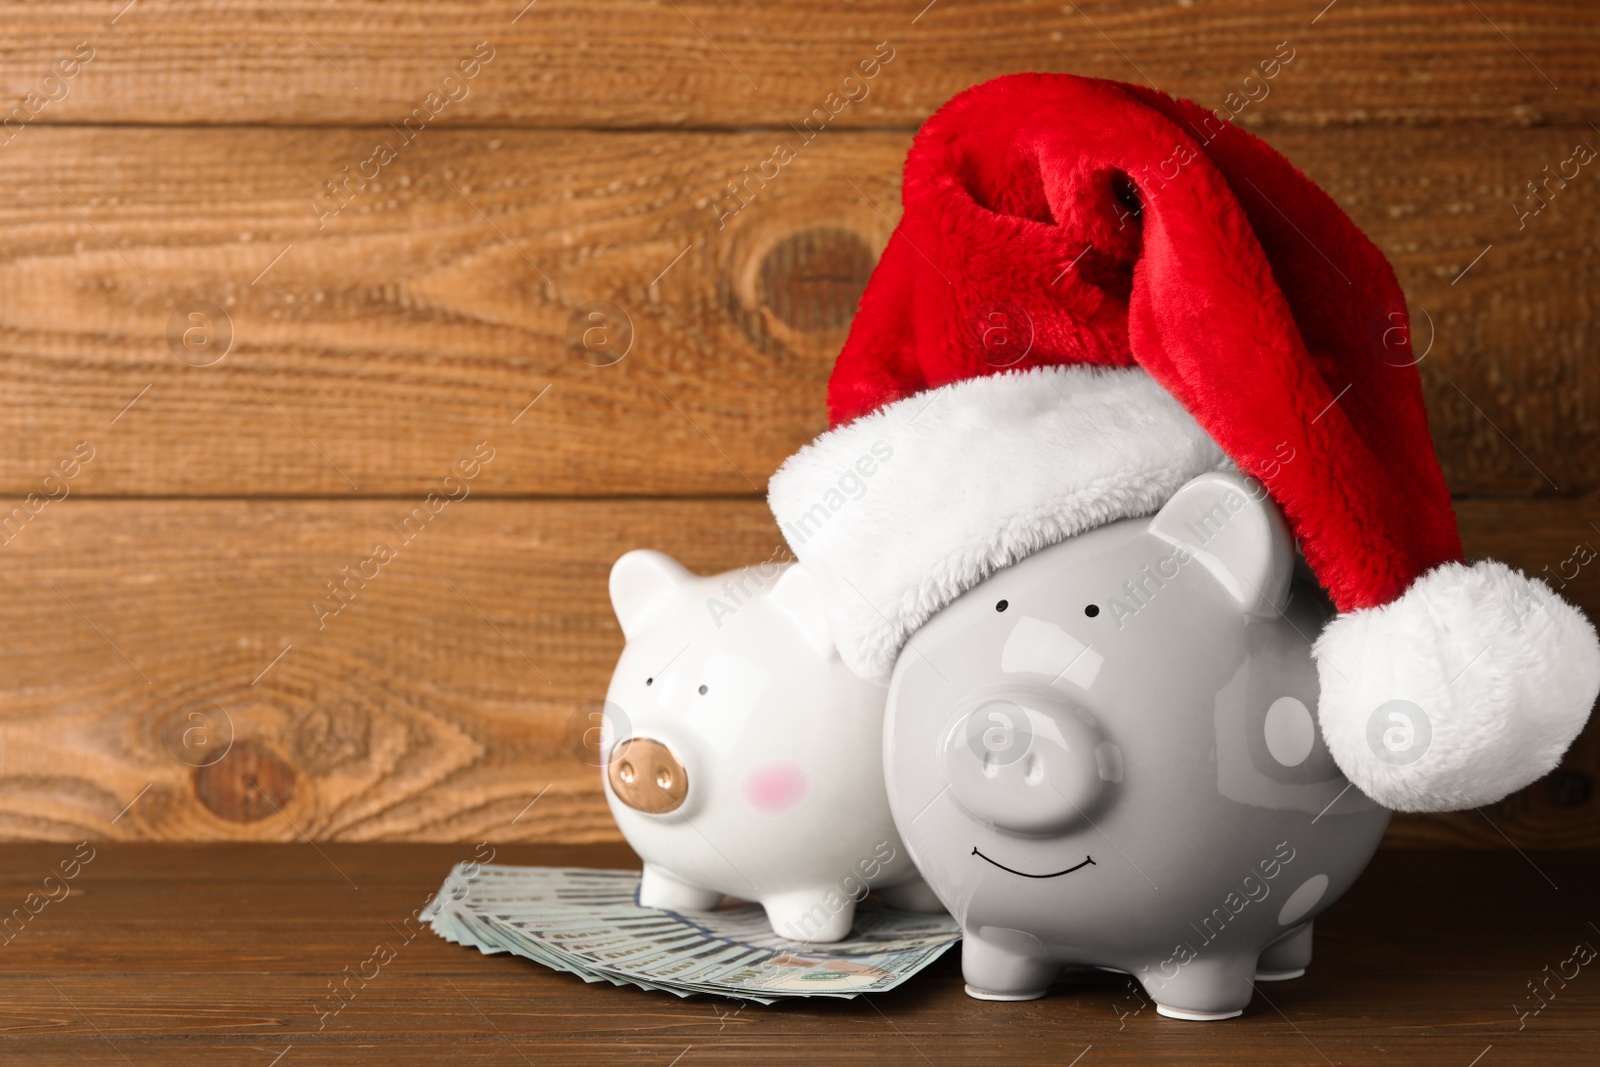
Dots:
(139, 637)
(435, 705)
(1420, 963)
(452, 291)
(689, 63)
(551, 270)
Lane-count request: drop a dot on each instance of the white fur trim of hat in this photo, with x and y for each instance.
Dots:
(901, 511)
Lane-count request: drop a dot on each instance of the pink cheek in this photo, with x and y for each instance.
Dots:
(774, 788)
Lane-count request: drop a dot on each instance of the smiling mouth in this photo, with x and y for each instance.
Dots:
(1087, 861)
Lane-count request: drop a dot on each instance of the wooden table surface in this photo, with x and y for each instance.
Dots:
(222, 954)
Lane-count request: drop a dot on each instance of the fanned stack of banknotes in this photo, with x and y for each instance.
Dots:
(587, 922)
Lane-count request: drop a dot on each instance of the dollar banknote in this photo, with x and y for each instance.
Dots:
(589, 923)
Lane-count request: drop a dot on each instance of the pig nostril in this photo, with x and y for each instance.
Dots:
(1034, 773)
(664, 778)
(626, 772)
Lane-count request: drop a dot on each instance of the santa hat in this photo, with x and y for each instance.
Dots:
(1097, 293)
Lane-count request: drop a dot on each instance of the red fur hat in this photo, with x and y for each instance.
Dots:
(1098, 292)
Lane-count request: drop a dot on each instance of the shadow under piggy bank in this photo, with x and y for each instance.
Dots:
(1107, 755)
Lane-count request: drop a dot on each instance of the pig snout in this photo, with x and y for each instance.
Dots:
(1028, 762)
(647, 776)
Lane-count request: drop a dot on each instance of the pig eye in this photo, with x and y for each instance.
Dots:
(1003, 605)
(649, 681)
(1092, 610)
(702, 690)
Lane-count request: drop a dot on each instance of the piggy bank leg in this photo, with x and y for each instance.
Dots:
(658, 889)
(1001, 964)
(912, 896)
(807, 915)
(1288, 957)
(1205, 989)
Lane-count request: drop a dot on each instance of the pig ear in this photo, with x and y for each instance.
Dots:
(1229, 524)
(640, 582)
(797, 596)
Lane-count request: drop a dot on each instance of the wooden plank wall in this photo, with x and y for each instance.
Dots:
(167, 159)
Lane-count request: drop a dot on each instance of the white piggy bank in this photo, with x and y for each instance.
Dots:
(745, 759)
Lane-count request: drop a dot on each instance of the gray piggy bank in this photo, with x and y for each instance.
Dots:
(1107, 755)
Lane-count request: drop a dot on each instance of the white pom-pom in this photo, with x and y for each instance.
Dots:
(1467, 688)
